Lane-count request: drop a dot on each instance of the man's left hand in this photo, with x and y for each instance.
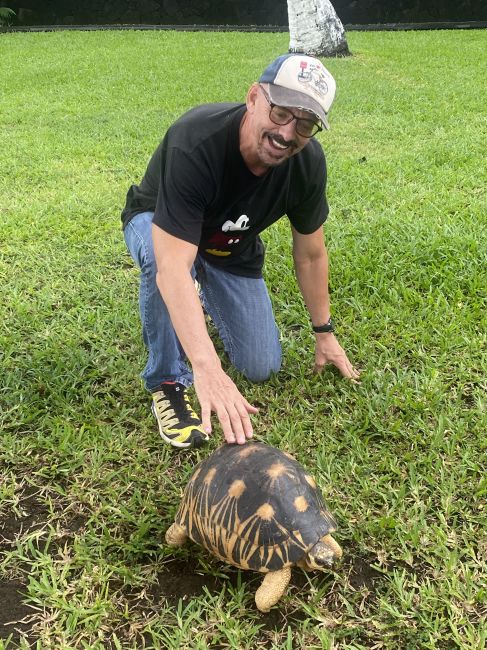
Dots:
(328, 350)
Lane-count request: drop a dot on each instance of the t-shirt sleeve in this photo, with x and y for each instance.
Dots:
(309, 208)
(185, 190)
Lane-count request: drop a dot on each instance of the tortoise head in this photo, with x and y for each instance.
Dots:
(322, 555)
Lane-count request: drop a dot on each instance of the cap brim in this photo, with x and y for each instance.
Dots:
(294, 99)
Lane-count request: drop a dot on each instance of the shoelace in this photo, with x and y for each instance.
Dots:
(169, 415)
(166, 413)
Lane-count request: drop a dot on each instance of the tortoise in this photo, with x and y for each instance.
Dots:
(254, 506)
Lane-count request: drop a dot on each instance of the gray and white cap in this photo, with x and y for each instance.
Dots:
(300, 81)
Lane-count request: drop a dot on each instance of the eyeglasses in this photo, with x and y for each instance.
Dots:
(281, 116)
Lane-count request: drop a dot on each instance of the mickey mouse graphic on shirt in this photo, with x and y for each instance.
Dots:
(220, 242)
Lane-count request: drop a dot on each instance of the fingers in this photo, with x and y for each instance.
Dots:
(348, 370)
(333, 353)
(318, 367)
(249, 408)
(206, 418)
(353, 374)
(236, 424)
(222, 397)
(353, 378)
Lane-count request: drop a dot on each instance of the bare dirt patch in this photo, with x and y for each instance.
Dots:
(362, 573)
(14, 613)
(32, 517)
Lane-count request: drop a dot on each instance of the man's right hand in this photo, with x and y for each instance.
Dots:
(218, 394)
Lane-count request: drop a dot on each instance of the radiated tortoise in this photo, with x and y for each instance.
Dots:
(257, 508)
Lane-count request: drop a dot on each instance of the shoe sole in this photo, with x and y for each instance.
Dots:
(179, 445)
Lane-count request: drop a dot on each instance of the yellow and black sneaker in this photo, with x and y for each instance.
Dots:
(178, 423)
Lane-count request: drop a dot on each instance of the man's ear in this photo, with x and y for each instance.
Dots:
(252, 97)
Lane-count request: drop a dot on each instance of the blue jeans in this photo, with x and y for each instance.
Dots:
(239, 307)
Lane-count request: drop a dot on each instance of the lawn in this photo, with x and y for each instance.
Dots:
(87, 488)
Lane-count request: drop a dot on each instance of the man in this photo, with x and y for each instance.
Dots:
(222, 174)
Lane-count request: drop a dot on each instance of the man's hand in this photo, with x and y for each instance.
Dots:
(217, 393)
(328, 350)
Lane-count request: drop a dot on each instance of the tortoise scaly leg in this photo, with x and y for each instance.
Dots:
(272, 588)
(176, 535)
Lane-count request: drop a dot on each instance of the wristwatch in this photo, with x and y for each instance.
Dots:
(329, 326)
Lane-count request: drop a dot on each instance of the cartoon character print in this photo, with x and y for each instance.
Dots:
(314, 75)
(220, 243)
(242, 223)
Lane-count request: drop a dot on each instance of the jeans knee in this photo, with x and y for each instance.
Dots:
(262, 370)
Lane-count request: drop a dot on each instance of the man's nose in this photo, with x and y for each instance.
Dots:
(288, 131)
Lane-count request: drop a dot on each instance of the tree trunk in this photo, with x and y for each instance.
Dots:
(315, 29)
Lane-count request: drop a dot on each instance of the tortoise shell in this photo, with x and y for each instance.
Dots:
(254, 506)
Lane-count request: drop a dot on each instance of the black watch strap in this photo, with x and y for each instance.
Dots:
(329, 326)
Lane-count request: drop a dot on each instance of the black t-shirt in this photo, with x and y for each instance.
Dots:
(200, 190)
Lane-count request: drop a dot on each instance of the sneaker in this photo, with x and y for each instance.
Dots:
(178, 423)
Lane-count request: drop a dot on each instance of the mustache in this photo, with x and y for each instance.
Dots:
(280, 140)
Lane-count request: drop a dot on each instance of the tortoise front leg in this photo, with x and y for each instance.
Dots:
(176, 535)
(272, 588)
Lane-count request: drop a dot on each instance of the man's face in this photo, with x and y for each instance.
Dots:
(270, 143)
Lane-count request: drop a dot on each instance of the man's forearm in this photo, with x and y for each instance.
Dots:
(182, 301)
(175, 259)
(312, 277)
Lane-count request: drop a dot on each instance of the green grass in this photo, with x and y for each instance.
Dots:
(87, 489)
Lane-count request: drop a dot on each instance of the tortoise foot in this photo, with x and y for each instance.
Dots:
(272, 588)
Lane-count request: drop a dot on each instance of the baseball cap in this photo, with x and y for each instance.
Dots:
(300, 81)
